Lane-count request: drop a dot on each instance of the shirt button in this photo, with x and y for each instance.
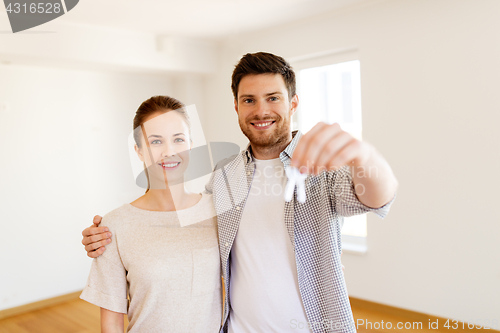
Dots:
(249, 173)
(227, 244)
(238, 208)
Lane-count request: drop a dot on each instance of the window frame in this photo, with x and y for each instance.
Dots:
(350, 244)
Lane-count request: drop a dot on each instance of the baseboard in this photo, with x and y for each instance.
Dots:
(38, 305)
(417, 316)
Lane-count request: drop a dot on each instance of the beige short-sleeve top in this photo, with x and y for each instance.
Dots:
(168, 265)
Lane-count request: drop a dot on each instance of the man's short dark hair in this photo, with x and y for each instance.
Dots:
(263, 63)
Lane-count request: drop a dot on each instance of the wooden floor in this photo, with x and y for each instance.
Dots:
(75, 316)
(81, 317)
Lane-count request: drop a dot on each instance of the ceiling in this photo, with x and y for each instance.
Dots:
(211, 19)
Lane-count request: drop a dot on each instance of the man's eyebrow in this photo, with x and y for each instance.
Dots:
(268, 94)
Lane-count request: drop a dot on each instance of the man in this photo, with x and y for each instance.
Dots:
(281, 260)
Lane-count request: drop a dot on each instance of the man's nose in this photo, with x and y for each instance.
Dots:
(261, 109)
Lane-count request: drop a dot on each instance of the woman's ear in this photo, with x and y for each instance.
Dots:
(139, 152)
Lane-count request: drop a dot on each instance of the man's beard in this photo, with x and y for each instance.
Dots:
(278, 136)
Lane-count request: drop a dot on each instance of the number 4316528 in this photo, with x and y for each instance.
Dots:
(32, 8)
(454, 324)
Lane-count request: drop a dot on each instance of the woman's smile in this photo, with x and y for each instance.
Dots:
(169, 165)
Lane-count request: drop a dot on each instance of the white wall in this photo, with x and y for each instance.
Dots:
(84, 46)
(430, 79)
(64, 158)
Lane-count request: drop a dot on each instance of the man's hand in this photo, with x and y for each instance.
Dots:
(328, 147)
(95, 238)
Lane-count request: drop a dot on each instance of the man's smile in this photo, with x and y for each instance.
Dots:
(262, 125)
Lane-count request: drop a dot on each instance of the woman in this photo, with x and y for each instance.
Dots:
(164, 253)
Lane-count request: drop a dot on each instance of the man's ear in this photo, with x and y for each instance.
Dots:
(236, 105)
(294, 104)
(139, 153)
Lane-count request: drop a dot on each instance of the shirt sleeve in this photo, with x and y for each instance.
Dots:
(107, 282)
(209, 187)
(345, 201)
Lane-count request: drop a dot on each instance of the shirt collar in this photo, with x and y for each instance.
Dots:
(285, 155)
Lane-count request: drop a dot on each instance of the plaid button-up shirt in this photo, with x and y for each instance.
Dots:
(314, 228)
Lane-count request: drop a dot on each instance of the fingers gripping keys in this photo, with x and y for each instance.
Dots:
(295, 179)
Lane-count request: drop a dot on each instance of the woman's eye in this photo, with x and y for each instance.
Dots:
(155, 142)
(179, 140)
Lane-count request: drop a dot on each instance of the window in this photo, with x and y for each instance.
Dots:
(332, 93)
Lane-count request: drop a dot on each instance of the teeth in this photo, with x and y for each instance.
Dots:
(263, 124)
(170, 165)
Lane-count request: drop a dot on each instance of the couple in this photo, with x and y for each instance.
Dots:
(280, 260)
